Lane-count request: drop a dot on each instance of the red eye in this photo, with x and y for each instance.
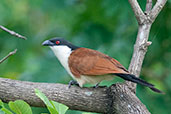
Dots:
(57, 42)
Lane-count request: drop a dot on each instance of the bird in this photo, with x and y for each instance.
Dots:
(90, 66)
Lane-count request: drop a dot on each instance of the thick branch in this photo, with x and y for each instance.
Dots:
(10, 53)
(118, 98)
(12, 32)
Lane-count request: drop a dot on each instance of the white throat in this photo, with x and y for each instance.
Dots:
(63, 53)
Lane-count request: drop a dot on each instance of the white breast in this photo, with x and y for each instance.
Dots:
(63, 53)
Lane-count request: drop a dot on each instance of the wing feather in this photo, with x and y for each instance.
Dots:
(84, 61)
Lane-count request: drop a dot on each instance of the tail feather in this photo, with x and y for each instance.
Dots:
(133, 78)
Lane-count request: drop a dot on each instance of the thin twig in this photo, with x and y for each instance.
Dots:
(148, 6)
(157, 8)
(10, 53)
(13, 33)
(137, 11)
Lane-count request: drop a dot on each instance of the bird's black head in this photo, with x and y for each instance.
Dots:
(59, 42)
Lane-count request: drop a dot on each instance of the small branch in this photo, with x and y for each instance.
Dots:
(145, 45)
(13, 33)
(11, 53)
(157, 8)
(148, 6)
(137, 11)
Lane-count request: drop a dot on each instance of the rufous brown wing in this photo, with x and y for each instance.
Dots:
(84, 61)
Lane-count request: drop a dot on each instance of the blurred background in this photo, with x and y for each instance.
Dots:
(108, 26)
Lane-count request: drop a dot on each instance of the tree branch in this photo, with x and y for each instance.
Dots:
(137, 11)
(149, 4)
(156, 9)
(13, 33)
(140, 47)
(115, 99)
(10, 53)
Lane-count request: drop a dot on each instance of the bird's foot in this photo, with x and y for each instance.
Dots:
(96, 86)
(72, 82)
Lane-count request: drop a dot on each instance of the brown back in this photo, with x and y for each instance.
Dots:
(84, 61)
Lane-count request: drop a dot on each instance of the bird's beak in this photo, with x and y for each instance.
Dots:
(48, 43)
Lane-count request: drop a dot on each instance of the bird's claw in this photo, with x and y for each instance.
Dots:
(96, 86)
(72, 82)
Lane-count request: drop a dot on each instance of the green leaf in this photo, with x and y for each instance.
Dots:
(53, 107)
(61, 108)
(1, 112)
(20, 107)
(87, 113)
(43, 98)
(5, 111)
(2, 104)
(52, 110)
(50, 107)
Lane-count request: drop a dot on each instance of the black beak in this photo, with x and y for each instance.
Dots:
(48, 43)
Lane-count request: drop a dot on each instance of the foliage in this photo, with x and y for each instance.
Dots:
(21, 107)
(53, 107)
(18, 107)
(108, 26)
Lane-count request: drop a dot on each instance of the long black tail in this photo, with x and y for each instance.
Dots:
(133, 78)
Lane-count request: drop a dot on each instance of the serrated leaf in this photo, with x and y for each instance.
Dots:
(6, 111)
(61, 108)
(20, 107)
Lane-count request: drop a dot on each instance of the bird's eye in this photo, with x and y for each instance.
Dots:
(57, 42)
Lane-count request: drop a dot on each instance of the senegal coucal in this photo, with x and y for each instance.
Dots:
(90, 66)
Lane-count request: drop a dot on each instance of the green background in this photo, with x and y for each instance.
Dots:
(108, 26)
